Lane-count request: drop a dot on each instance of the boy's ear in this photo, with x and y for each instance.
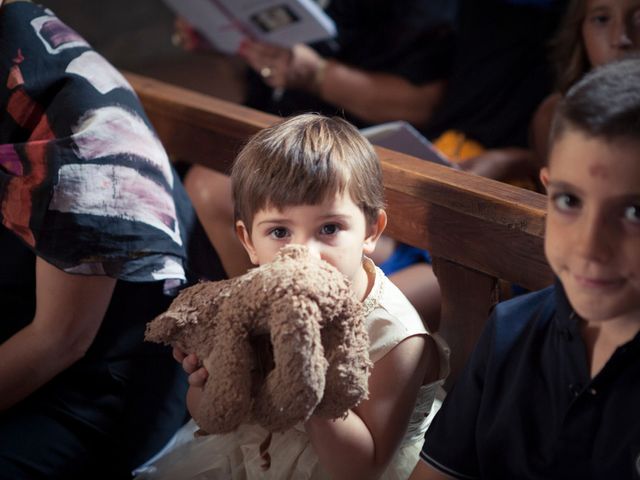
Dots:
(245, 238)
(374, 231)
(544, 176)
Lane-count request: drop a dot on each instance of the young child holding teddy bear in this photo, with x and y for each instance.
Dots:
(315, 181)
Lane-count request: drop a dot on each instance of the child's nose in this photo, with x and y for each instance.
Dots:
(314, 249)
(592, 241)
(622, 35)
(312, 245)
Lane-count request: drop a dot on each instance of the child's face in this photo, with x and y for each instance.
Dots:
(592, 236)
(335, 230)
(611, 29)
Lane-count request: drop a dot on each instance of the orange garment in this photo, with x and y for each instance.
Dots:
(458, 148)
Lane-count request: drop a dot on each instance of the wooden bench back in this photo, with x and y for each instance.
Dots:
(477, 230)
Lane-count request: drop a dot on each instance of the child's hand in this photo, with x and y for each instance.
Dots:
(197, 377)
(194, 394)
(191, 364)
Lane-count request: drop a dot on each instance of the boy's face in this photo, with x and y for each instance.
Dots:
(592, 237)
(335, 231)
(611, 29)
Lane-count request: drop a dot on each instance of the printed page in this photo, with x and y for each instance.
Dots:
(204, 15)
(282, 22)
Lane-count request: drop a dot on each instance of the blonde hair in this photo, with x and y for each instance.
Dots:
(304, 160)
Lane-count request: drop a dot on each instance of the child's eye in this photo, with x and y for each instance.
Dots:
(278, 232)
(565, 202)
(329, 229)
(599, 19)
(632, 214)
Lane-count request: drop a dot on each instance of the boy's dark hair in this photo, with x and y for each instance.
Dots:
(304, 160)
(605, 103)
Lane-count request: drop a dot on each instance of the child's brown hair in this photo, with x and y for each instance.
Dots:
(302, 161)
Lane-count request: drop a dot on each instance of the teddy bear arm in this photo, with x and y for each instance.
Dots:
(347, 350)
(295, 386)
(189, 313)
(162, 329)
(226, 399)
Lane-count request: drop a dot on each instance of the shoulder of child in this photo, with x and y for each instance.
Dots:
(510, 318)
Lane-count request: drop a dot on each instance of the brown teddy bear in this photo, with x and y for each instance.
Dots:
(318, 360)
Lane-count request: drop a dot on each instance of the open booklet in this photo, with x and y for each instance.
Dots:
(404, 138)
(225, 23)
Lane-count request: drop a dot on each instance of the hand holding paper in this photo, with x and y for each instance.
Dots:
(226, 23)
(295, 68)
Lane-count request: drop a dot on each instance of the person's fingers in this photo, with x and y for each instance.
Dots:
(198, 378)
(268, 51)
(257, 59)
(178, 354)
(181, 24)
(187, 37)
(249, 51)
(270, 61)
(182, 33)
(191, 363)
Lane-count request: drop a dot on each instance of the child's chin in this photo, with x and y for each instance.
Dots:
(598, 308)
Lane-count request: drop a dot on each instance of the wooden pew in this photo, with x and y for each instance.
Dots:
(478, 231)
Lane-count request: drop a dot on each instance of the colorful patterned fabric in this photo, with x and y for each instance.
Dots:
(84, 180)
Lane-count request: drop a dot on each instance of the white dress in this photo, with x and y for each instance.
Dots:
(390, 318)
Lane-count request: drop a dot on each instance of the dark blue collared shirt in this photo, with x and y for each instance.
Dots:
(525, 406)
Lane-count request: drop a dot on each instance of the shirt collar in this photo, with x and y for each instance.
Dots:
(567, 319)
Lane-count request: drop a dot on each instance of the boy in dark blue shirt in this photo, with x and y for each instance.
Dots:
(552, 389)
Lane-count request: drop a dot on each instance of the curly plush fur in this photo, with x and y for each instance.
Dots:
(317, 333)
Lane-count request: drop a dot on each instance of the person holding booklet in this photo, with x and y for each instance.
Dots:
(492, 73)
(398, 73)
(225, 23)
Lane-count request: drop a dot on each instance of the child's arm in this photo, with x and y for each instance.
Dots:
(362, 445)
